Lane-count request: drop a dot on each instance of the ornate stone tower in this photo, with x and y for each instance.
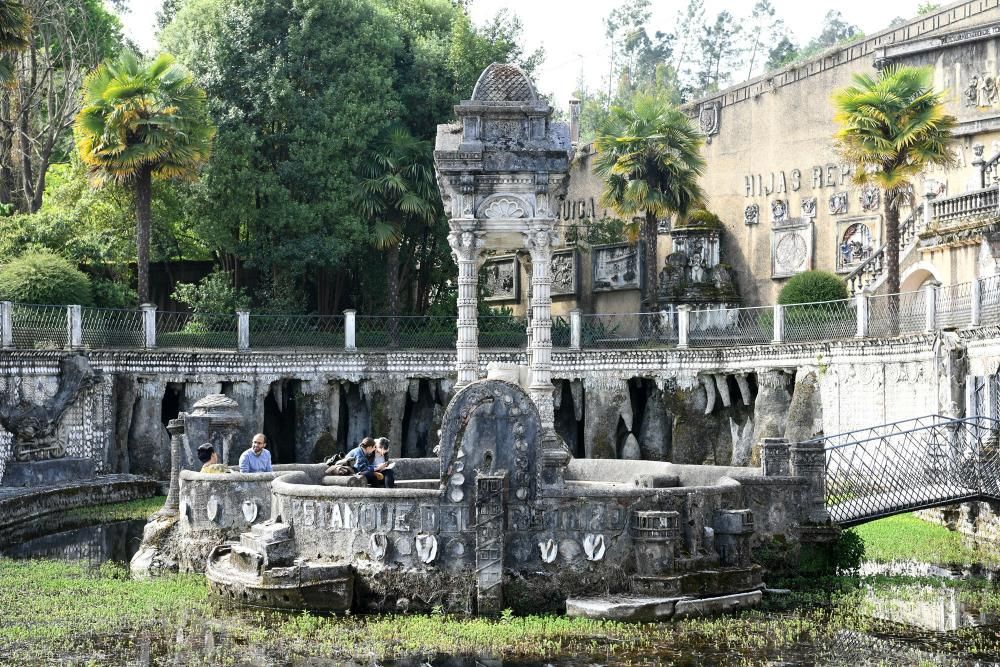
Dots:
(502, 170)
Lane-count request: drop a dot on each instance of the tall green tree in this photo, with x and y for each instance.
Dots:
(15, 28)
(649, 155)
(399, 196)
(138, 122)
(893, 126)
(721, 52)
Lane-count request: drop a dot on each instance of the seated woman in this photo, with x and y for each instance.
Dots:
(210, 459)
(382, 463)
(360, 459)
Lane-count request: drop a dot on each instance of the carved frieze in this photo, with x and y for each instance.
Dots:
(870, 198)
(501, 279)
(502, 208)
(779, 210)
(617, 267)
(563, 273)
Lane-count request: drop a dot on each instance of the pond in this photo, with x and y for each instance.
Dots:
(69, 601)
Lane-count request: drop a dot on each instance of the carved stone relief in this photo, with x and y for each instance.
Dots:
(779, 210)
(708, 118)
(808, 207)
(563, 271)
(751, 214)
(504, 208)
(501, 279)
(857, 239)
(870, 198)
(791, 250)
(617, 267)
(838, 203)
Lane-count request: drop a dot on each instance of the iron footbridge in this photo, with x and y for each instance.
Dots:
(910, 465)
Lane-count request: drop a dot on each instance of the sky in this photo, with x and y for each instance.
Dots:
(572, 31)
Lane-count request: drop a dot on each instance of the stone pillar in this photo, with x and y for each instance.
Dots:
(74, 327)
(976, 303)
(683, 324)
(575, 328)
(539, 243)
(861, 302)
(148, 325)
(243, 330)
(930, 303)
(466, 247)
(779, 324)
(350, 330)
(175, 427)
(809, 462)
(7, 325)
(775, 458)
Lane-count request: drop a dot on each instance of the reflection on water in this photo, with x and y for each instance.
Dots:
(935, 609)
(93, 545)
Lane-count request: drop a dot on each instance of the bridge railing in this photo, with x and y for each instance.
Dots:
(964, 305)
(909, 465)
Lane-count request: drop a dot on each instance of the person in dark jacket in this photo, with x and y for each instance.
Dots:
(360, 458)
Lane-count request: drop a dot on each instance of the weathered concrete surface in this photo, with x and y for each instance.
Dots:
(148, 440)
(770, 409)
(607, 403)
(716, 605)
(19, 505)
(652, 609)
(805, 411)
(645, 610)
(656, 431)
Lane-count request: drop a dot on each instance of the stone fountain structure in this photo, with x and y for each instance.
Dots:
(503, 517)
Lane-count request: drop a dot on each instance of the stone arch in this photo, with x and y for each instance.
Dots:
(918, 274)
(505, 206)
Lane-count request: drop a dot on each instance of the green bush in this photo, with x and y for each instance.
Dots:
(112, 294)
(212, 294)
(812, 287)
(43, 277)
(700, 217)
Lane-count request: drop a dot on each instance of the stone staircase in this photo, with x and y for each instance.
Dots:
(870, 276)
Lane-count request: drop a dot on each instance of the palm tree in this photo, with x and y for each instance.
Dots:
(892, 127)
(398, 195)
(15, 30)
(138, 122)
(650, 157)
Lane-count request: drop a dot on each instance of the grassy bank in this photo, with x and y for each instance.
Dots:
(58, 610)
(906, 537)
(135, 509)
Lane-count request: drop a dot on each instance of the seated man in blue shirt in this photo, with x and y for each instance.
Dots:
(361, 460)
(256, 459)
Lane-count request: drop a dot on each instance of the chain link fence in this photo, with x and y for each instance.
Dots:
(731, 326)
(296, 331)
(953, 306)
(190, 330)
(110, 328)
(39, 327)
(827, 320)
(628, 331)
(890, 315)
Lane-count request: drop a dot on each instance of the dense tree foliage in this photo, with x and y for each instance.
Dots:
(649, 155)
(67, 39)
(15, 29)
(301, 91)
(140, 122)
(893, 126)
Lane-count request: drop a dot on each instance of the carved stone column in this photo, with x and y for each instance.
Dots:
(175, 427)
(466, 247)
(539, 243)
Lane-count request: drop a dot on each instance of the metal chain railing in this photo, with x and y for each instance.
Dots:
(35, 326)
(731, 326)
(190, 330)
(959, 306)
(910, 465)
(106, 328)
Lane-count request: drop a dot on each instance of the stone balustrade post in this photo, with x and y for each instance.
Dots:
(808, 461)
(930, 303)
(861, 308)
(975, 303)
(7, 325)
(575, 328)
(243, 330)
(683, 325)
(779, 324)
(148, 325)
(350, 330)
(775, 462)
(466, 247)
(175, 427)
(928, 213)
(74, 327)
